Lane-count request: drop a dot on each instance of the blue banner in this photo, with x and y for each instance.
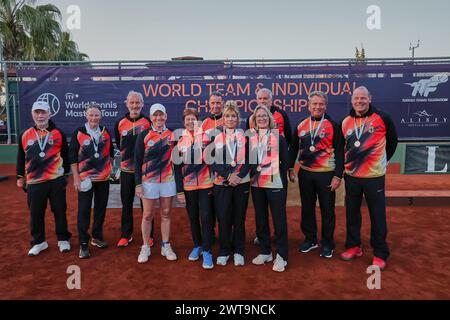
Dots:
(418, 105)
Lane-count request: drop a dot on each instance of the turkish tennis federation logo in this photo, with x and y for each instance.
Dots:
(52, 101)
(425, 86)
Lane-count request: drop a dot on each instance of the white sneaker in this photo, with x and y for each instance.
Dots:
(166, 251)
(144, 254)
(37, 248)
(262, 258)
(222, 260)
(279, 264)
(64, 246)
(238, 259)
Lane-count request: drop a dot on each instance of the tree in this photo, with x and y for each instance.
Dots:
(30, 32)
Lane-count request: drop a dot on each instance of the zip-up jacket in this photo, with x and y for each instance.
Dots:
(377, 143)
(153, 157)
(55, 161)
(327, 154)
(82, 152)
(191, 171)
(126, 131)
(270, 171)
(223, 164)
(212, 125)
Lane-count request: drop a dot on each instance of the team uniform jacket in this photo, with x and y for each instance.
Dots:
(223, 170)
(274, 163)
(192, 173)
(36, 169)
(153, 157)
(212, 125)
(378, 143)
(328, 153)
(281, 123)
(126, 132)
(82, 152)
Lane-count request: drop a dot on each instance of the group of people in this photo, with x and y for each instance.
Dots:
(212, 166)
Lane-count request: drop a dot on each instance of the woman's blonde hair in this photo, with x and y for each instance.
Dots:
(231, 105)
(253, 117)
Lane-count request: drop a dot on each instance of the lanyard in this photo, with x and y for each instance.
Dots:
(262, 145)
(313, 133)
(231, 149)
(95, 137)
(359, 131)
(41, 143)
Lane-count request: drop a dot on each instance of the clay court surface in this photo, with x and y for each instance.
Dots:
(417, 269)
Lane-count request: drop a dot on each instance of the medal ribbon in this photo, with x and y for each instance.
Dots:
(359, 131)
(312, 132)
(92, 134)
(262, 145)
(39, 140)
(231, 150)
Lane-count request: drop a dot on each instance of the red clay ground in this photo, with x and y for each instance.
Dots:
(418, 267)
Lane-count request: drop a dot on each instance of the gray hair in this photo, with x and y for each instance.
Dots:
(319, 94)
(265, 90)
(135, 93)
(363, 88)
(93, 106)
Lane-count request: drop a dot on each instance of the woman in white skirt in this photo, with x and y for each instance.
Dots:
(155, 179)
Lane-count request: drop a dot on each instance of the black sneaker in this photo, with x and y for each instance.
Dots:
(84, 251)
(327, 252)
(307, 246)
(99, 243)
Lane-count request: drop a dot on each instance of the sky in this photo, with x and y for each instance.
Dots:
(240, 29)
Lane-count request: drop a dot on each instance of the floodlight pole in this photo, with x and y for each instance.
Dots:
(413, 47)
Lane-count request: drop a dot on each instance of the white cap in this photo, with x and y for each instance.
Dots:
(40, 105)
(157, 107)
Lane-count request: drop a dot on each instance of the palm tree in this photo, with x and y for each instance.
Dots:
(30, 32)
(67, 50)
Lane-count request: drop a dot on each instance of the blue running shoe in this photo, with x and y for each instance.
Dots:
(195, 254)
(207, 260)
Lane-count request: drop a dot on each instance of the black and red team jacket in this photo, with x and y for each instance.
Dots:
(281, 123)
(153, 157)
(222, 166)
(212, 125)
(126, 131)
(328, 155)
(35, 169)
(81, 151)
(377, 143)
(271, 170)
(191, 171)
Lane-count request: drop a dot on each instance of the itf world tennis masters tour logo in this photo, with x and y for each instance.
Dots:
(75, 106)
(52, 101)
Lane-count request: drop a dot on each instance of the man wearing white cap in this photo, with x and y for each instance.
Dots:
(155, 179)
(42, 162)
